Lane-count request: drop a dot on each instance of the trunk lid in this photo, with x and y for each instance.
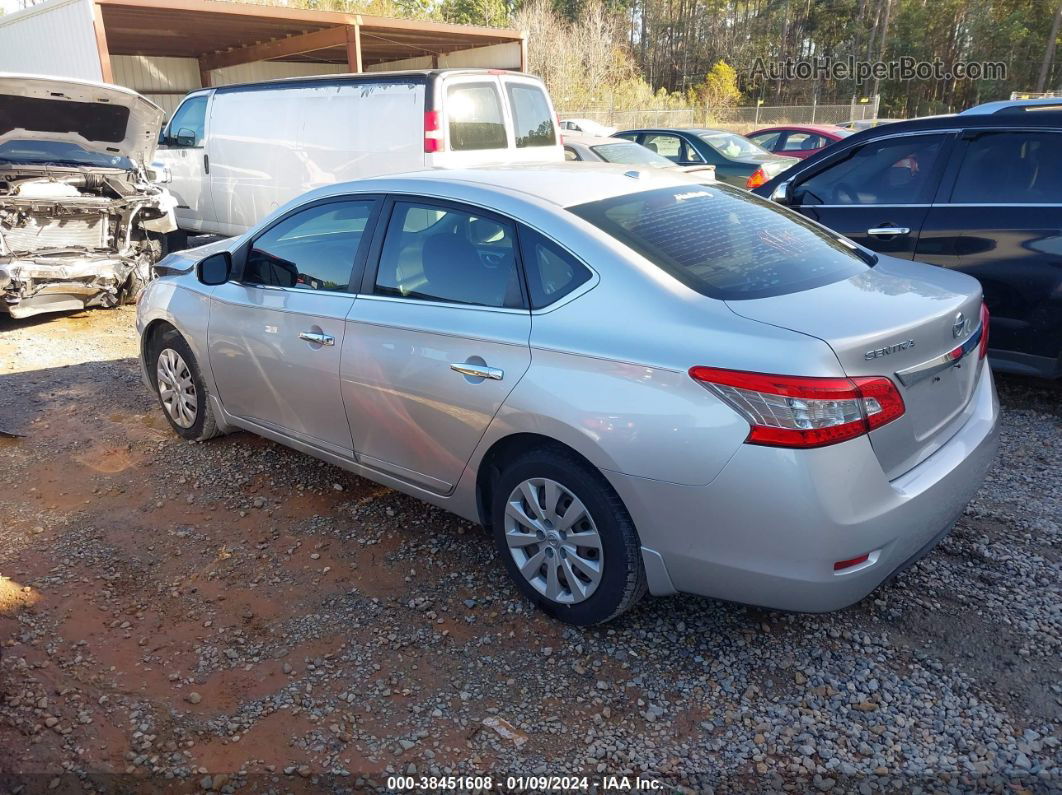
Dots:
(898, 319)
(772, 164)
(99, 117)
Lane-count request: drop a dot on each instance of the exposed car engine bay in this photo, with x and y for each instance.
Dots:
(73, 238)
(81, 225)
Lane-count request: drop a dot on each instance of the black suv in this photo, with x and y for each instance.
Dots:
(980, 192)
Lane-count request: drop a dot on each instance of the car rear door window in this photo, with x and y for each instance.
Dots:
(475, 117)
(801, 142)
(314, 249)
(461, 257)
(532, 119)
(891, 171)
(768, 140)
(1011, 168)
(669, 146)
(723, 242)
(551, 271)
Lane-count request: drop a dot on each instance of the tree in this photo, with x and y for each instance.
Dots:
(475, 12)
(720, 87)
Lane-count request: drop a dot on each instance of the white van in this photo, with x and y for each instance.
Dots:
(233, 154)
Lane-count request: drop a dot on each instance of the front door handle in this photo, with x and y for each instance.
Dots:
(888, 231)
(317, 338)
(477, 371)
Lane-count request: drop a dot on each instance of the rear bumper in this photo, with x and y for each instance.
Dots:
(769, 528)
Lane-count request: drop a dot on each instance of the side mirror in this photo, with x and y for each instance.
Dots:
(783, 192)
(185, 137)
(215, 269)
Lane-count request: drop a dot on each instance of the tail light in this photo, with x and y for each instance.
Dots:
(759, 176)
(982, 349)
(799, 411)
(432, 132)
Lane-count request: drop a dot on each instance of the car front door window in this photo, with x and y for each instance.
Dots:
(894, 171)
(768, 141)
(187, 127)
(311, 250)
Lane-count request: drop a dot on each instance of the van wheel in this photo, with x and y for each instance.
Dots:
(566, 539)
(180, 388)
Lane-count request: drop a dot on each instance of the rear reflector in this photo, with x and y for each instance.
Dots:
(982, 349)
(432, 133)
(847, 564)
(801, 411)
(758, 177)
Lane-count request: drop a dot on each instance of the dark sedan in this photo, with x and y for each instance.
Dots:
(737, 160)
(979, 192)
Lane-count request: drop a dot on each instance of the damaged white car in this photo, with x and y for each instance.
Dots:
(81, 225)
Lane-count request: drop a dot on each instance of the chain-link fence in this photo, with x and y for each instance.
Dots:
(744, 117)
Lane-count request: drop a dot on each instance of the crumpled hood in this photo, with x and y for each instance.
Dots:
(103, 118)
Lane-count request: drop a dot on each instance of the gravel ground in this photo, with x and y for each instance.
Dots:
(235, 615)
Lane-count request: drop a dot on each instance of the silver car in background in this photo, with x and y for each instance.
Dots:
(634, 380)
(590, 149)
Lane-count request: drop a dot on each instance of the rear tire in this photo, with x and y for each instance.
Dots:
(180, 387)
(566, 538)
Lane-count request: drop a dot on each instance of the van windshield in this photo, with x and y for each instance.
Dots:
(724, 243)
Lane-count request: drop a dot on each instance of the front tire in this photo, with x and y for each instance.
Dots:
(180, 388)
(566, 539)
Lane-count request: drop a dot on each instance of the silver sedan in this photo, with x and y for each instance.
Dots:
(635, 381)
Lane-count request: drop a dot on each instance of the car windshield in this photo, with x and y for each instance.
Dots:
(630, 154)
(58, 153)
(731, 145)
(723, 242)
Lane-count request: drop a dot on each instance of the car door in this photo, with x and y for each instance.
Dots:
(437, 340)
(877, 194)
(1000, 220)
(276, 330)
(182, 150)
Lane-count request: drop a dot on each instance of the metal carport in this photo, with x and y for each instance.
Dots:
(165, 48)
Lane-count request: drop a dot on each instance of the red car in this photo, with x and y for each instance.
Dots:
(798, 140)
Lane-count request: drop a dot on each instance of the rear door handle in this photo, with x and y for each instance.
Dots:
(206, 164)
(317, 338)
(478, 371)
(888, 230)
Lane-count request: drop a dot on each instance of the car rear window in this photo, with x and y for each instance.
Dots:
(475, 114)
(630, 154)
(532, 120)
(724, 243)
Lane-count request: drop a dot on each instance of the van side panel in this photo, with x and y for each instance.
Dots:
(270, 144)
